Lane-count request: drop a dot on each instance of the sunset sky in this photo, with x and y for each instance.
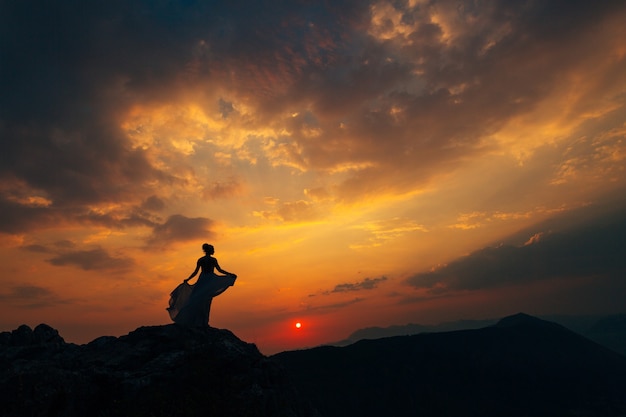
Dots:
(356, 163)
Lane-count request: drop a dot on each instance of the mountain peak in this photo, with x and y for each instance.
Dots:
(523, 319)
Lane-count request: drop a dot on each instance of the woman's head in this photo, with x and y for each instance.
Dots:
(208, 249)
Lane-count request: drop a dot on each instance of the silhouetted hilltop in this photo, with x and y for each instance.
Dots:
(609, 331)
(522, 319)
(521, 366)
(153, 371)
(410, 329)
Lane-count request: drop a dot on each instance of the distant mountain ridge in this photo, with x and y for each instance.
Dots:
(411, 329)
(611, 332)
(607, 330)
(520, 366)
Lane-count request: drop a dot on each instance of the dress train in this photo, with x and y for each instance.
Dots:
(191, 304)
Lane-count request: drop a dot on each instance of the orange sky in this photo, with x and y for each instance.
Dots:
(356, 164)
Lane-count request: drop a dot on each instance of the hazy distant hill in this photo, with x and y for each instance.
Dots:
(521, 366)
(609, 331)
(411, 329)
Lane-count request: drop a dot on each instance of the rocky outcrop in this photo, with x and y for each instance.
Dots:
(153, 371)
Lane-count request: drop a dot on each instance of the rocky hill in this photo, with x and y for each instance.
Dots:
(521, 366)
(153, 371)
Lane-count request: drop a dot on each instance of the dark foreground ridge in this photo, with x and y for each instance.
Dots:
(153, 371)
(520, 367)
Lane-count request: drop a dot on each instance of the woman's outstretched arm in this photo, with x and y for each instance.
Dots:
(217, 266)
(193, 274)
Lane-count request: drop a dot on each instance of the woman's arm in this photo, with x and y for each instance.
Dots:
(217, 266)
(193, 274)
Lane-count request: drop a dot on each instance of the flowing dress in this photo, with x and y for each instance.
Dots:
(190, 305)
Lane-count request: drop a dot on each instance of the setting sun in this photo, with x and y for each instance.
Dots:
(298, 325)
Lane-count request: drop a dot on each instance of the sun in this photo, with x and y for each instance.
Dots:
(298, 325)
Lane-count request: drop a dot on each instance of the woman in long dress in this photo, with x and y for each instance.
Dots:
(191, 304)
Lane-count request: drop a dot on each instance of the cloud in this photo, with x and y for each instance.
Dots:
(37, 248)
(153, 203)
(17, 218)
(366, 284)
(398, 92)
(589, 248)
(593, 157)
(179, 228)
(382, 231)
(290, 211)
(225, 189)
(23, 211)
(107, 105)
(90, 260)
(31, 297)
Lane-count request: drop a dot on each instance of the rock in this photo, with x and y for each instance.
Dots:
(153, 371)
(23, 335)
(46, 334)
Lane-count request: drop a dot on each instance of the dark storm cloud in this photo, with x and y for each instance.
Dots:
(70, 68)
(178, 228)
(503, 59)
(590, 248)
(92, 259)
(60, 56)
(404, 106)
(18, 217)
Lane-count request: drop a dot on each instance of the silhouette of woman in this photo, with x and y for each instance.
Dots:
(191, 304)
